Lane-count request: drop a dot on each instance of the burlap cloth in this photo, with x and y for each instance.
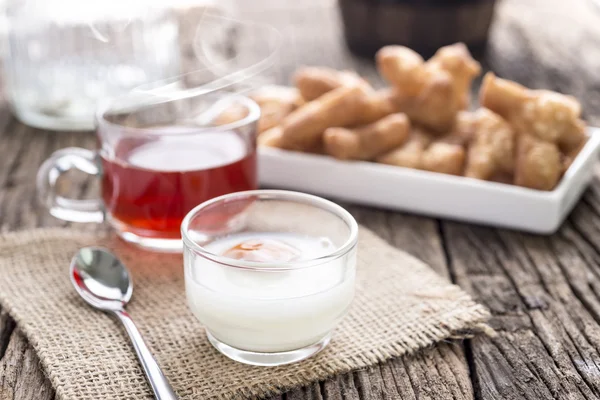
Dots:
(401, 306)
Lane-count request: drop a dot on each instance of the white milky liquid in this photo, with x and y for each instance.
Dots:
(271, 311)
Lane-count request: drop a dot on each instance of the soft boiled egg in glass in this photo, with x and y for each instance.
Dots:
(269, 273)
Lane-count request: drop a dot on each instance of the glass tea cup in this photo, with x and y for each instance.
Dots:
(269, 273)
(159, 156)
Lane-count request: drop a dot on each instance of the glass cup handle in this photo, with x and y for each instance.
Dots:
(61, 207)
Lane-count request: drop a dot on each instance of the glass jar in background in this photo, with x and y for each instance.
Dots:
(62, 57)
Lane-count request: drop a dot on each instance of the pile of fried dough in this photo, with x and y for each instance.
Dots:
(520, 136)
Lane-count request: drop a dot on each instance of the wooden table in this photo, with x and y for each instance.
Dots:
(544, 292)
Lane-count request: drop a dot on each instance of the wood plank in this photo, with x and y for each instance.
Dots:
(21, 376)
(7, 326)
(543, 291)
(548, 341)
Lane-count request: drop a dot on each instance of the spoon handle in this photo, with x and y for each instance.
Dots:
(160, 386)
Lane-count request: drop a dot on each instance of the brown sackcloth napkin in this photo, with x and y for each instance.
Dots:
(401, 306)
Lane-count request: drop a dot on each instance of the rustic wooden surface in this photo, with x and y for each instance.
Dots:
(544, 292)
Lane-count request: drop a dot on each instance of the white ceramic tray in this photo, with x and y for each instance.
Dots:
(430, 193)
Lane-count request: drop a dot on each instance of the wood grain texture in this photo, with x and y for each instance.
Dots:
(544, 292)
(548, 334)
(21, 376)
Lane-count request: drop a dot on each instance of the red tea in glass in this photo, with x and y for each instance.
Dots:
(161, 154)
(151, 186)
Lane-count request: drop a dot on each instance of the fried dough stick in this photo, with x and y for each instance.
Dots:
(275, 102)
(303, 128)
(493, 146)
(367, 142)
(538, 163)
(409, 154)
(444, 158)
(457, 60)
(314, 82)
(437, 89)
(547, 115)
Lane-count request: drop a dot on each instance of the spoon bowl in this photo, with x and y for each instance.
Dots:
(101, 279)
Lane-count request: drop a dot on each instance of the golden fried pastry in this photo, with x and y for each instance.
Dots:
(272, 114)
(318, 148)
(538, 163)
(313, 82)
(403, 68)
(502, 96)
(457, 60)
(575, 139)
(277, 94)
(565, 163)
(271, 137)
(275, 103)
(492, 149)
(569, 157)
(480, 162)
(303, 128)
(231, 115)
(463, 130)
(494, 132)
(444, 158)
(369, 141)
(550, 116)
(437, 105)
(436, 89)
(500, 177)
(379, 104)
(410, 154)
(439, 88)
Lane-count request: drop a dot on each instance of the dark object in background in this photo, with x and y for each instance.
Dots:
(422, 25)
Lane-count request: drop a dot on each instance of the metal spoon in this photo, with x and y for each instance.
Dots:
(103, 282)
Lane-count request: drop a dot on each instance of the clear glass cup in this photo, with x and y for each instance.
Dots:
(159, 156)
(269, 273)
(63, 57)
